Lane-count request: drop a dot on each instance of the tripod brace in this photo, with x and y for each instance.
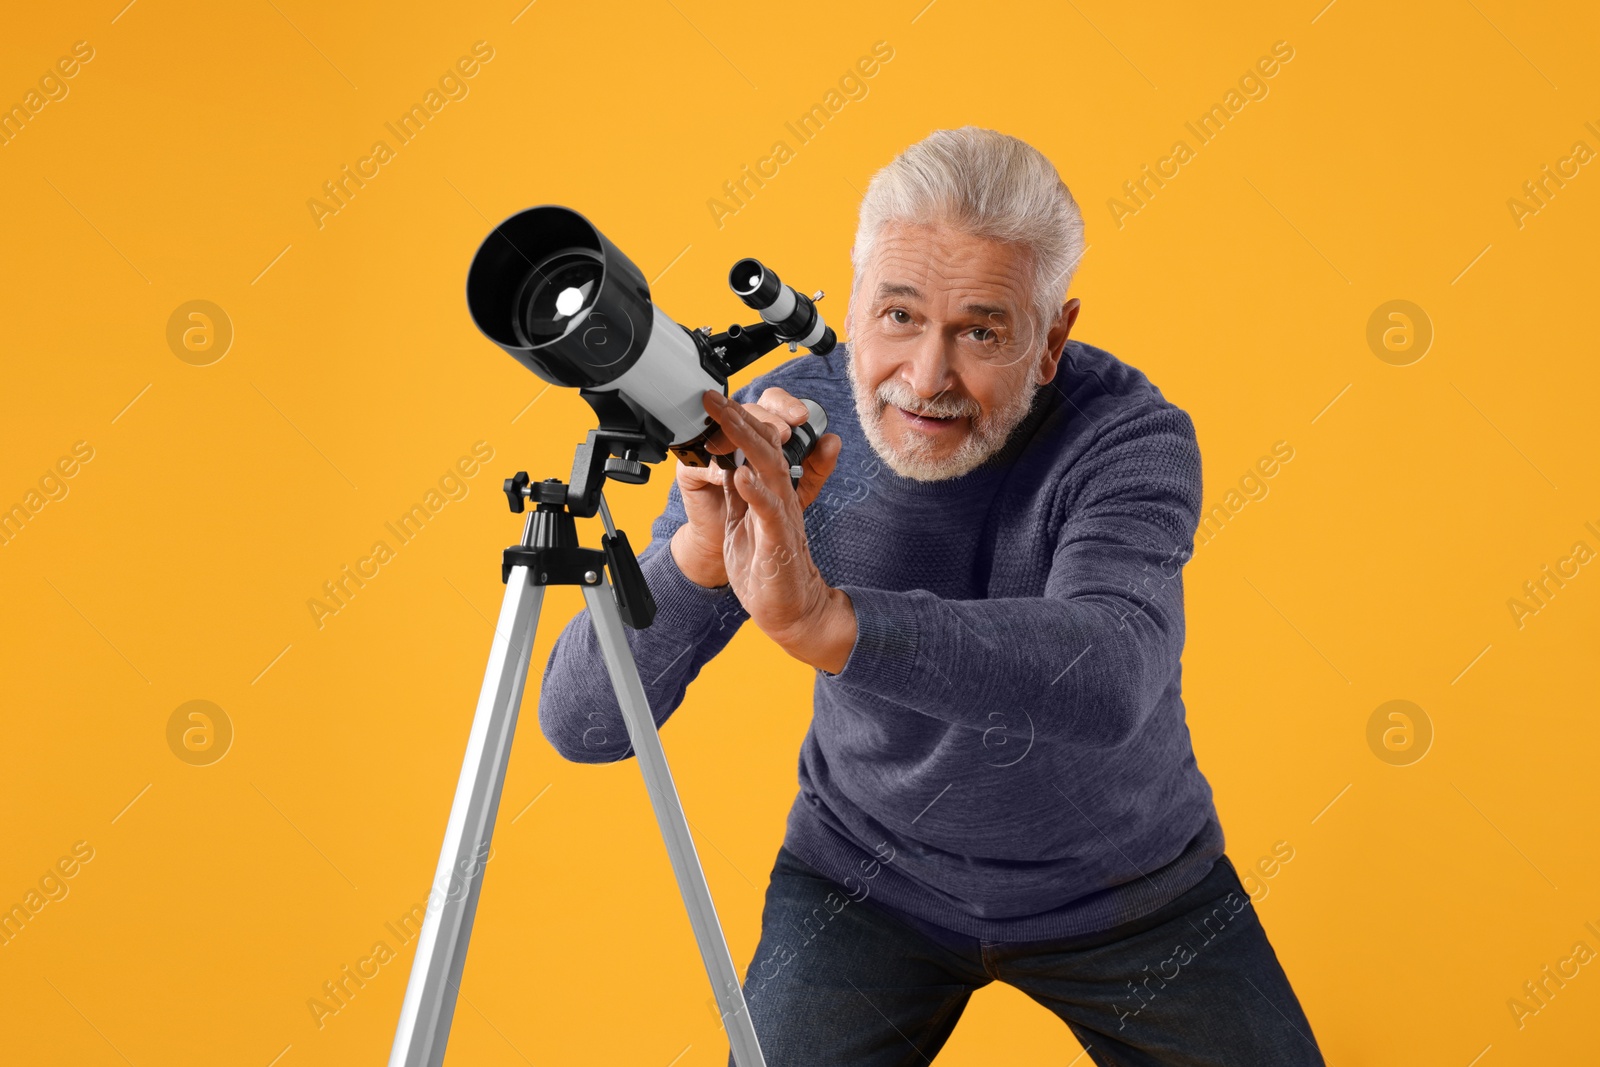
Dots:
(550, 554)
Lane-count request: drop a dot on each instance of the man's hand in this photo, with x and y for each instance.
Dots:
(764, 550)
(697, 545)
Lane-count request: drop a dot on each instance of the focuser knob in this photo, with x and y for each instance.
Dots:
(627, 468)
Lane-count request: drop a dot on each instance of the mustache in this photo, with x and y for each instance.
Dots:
(902, 395)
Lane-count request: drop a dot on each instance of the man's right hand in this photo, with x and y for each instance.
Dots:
(697, 544)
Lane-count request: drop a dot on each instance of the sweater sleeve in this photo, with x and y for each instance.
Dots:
(1090, 658)
(578, 710)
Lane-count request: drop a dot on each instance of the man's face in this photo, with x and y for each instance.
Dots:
(944, 356)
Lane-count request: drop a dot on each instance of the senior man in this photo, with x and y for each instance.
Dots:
(983, 564)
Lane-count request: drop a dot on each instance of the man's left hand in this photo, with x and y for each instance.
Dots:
(764, 547)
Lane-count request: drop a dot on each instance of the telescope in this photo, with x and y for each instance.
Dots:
(562, 300)
(553, 292)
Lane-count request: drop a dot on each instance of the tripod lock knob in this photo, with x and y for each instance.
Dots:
(516, 490)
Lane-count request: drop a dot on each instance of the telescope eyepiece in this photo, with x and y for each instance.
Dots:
(793, 314)
(757, 286)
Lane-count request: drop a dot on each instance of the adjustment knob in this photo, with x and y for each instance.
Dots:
(627, 469)
(516, 490)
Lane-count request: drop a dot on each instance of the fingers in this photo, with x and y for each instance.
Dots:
(704, 498)
(759, 439)
(775, 407)
(783, 403)
(757, 494)
(700, 483)
(818, 465)
(759, 430)
(733, 505)
(690, 477)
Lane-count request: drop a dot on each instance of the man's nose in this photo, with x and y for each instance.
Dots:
(929, 371)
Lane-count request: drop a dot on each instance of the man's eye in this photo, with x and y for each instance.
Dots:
(893, 312)
(984, 334)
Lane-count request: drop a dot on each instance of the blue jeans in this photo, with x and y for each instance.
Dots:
(840, 981)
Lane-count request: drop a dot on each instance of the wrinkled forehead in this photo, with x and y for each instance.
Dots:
(946, 270)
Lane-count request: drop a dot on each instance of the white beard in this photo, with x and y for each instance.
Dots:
(985, 435)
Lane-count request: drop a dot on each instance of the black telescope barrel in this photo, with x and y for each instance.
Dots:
(803, 438)
(793, 313)
(611, 332)
(753, 283)
(825, 343)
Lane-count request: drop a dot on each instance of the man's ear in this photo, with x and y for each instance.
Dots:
(1056, 340)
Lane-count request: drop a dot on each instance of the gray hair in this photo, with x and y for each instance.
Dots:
(987, 184)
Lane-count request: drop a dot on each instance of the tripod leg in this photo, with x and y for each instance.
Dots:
(674, 827)
(430, 1001)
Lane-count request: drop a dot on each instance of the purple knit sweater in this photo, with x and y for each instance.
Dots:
(1004, 754)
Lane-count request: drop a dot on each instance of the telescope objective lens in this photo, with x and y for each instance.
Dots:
(558, 292)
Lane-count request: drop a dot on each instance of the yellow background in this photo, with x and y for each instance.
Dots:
(179, 565)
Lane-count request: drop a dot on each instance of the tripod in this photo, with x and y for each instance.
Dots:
(549, 554)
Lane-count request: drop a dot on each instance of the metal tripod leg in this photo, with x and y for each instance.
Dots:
(430, 1001)
(652, 759)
